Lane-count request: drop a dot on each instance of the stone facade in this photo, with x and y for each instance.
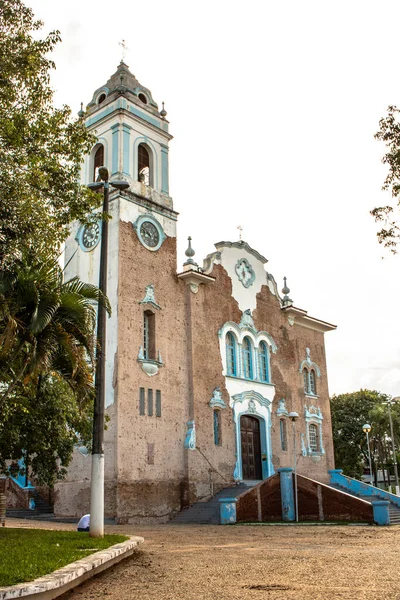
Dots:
(181, 403)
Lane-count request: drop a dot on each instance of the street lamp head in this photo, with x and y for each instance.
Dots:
(366, 428)
(293, 416)
(103, 173)
(96, 185)
(120, 185)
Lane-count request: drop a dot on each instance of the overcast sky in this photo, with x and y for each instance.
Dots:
(273, 107)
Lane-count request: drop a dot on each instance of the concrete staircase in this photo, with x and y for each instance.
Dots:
(208, 512)
(394, 511)
(42, 510)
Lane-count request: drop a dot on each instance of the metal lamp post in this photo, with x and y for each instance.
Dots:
(97, 472)
(396, 473)
(367, 429)
(293, 416)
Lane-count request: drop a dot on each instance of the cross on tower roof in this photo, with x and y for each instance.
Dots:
(124, 49)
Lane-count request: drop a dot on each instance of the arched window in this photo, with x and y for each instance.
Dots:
(98, 161)
(312, 386)
(313, 437)
(144, 165)
(230, 355)
(101, 99)
(217, 427)
(149, 337)
(282, 429)
(247, 359)
(305, 380)
(263, 361)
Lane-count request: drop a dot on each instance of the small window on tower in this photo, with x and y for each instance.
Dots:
(143, 98)
(149, 335)
(101, 99)
(143, 165)
(98, 161)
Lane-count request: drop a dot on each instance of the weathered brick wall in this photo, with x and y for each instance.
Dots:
(261, 503)
(321, 502)
(150, 449)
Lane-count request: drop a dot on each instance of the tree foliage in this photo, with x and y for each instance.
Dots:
(41, 147)
(389, 133)
(42, 422)
(349, 413)
(46, 325)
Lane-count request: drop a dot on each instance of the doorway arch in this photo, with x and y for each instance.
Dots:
(250, 439)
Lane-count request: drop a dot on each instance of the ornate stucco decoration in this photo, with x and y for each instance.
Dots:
(246, 322)
(252, 397)
(242, 330)
(210, 260)
(303, 444)
(149, 297)
(245, 272)
(282, 411)
(314, 416)
(217, 401)
(309, 364)
(190, 440)
(149, 366)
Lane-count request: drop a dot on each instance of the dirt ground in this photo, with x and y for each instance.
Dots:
(200, 562)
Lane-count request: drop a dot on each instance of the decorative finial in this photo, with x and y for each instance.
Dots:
(240, 232)
(163, 113)
(190, 252)
(81, 113)
(124, 49)
(286, 291)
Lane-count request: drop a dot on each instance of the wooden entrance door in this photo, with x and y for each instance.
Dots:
(251, 447)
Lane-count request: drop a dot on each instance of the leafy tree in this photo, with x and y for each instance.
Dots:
(42, 422)
(389, 133)
(41, 147)
(349, 413)
(46, 325)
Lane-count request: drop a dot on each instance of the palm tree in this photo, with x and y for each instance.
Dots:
(46, 324)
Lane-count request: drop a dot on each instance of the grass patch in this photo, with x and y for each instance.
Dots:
(26, 554)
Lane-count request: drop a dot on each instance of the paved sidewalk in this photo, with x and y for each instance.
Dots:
(200, 562)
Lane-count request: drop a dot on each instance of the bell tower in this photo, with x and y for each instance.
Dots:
(132, 142)
(132, 136)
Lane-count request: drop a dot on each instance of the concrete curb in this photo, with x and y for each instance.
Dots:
(60, 581)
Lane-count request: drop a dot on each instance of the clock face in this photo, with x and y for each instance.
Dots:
(149, 234)
(90, 235)
(245, 272)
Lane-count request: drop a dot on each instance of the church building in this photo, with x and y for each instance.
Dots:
(205, 362)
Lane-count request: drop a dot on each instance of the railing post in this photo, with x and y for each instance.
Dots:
(381, 512)
(227, 510)
(287, 494)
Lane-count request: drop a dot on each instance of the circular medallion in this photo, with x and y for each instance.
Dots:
(90, 235)
(149, 233)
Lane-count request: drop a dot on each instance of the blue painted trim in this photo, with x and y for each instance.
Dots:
(115, 143)
(287, 494)
(227, 511)
(104, 113)
(164, 169)
(145, 117)
(381, 512)
(126, 129)
(361, 489)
